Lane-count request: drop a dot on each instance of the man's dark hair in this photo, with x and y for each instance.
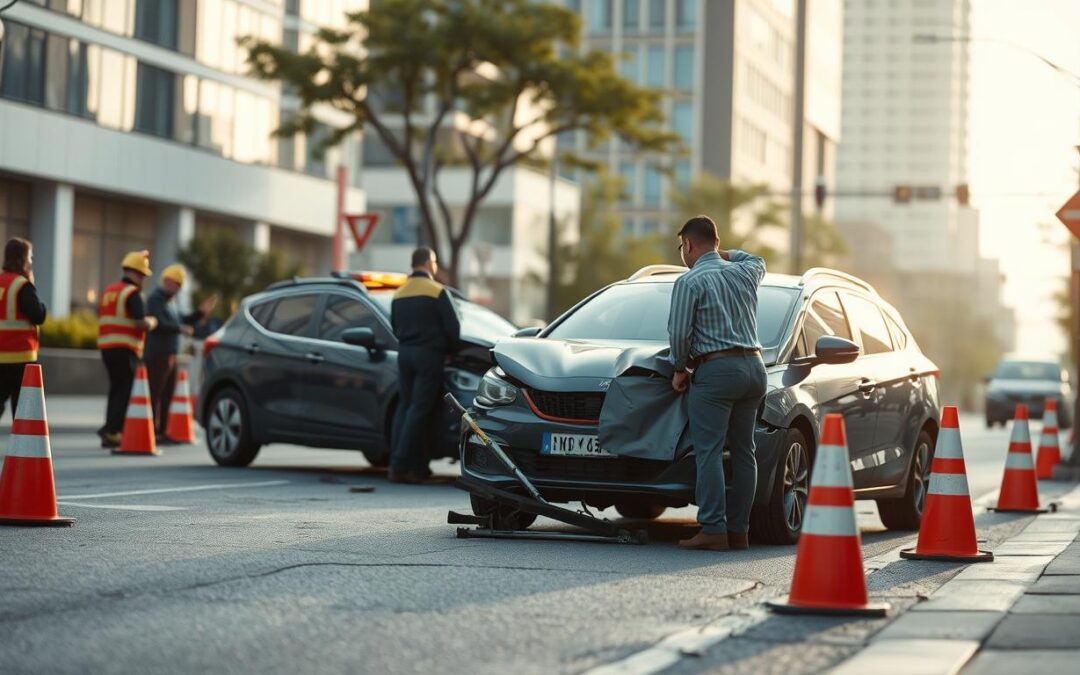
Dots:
(421, 256)
(16, 255)
(700, 228)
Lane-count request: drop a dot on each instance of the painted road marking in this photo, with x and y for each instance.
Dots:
(193, 488)
(124, 507)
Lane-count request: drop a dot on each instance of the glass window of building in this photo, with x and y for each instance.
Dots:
(111, 82)
(682, 175)
(686, 14)
(684, 67)
(104, 231)
(630, 66)
(156, 21)
(631, 15)
(56, 73)
(628, 171)
(155, 101)
(78, 79)
(652, 184)
(14, 209)
(657, 15)
(186, 108)
(23, 77)
(599, 16)
(682, 121)
(654, 66)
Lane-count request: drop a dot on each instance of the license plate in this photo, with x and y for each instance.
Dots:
(573, 445)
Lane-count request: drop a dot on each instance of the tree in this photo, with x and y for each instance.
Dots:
(222, 263)
(603, 254)
(743, 213)
(823, 244)
(410, 70)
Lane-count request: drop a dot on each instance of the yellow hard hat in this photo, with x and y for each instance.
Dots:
(175, 272)
(138, 261)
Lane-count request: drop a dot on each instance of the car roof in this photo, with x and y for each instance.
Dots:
(813, 278)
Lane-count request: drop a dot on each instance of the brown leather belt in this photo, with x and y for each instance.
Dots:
(723, 353)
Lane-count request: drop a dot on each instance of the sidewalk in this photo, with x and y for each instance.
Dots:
(69, 413)
(1017, 614)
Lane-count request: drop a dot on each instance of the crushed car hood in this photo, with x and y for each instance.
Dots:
(573, 365)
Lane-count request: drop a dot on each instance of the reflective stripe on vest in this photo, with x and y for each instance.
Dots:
(18, 336)
(115, 327)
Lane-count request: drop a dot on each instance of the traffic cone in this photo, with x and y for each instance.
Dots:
(948, 524)
(27, 490)
(829, 577)
(181, 427)
(1049, 445)
(1019, 487)
(138, 438)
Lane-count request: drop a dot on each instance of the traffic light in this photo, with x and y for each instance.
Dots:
(963, 194)
(819, 192)
(902, 194)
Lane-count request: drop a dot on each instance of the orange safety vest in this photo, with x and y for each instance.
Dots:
(18, 337)
(115, 328)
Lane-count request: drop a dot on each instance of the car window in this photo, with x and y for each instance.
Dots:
(899, 335)
(824, 317)
(342, 312)
(867, 318)
(292, 315)
(1028, 370)
(262, 311)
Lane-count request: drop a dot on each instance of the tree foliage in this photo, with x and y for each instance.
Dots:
(476, 84)
(823, 244)
(223, 263)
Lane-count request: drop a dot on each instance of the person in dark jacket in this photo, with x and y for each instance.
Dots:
(21, 312)
(426, 324)
(163, 344)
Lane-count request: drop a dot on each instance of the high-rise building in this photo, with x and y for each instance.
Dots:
(729, 68)
(905, 123)
(128, 124)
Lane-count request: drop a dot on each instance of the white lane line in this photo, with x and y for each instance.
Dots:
(193, 488)
(124, 507)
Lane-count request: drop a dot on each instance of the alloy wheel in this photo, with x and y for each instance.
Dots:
(920, 475)
(796, 485)
(224, 428)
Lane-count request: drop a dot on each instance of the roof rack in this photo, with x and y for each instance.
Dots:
(815, 272)
(654, 270)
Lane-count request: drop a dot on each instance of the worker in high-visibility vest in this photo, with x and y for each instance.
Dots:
(122, 327)
(21, 312)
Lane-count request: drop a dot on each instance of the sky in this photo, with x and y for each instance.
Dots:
(1025, 126)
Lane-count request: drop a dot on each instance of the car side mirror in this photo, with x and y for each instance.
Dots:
(364, 337)
(531, 331)
(832, 350)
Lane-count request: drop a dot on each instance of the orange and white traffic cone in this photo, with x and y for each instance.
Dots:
(138, 438)
(829, 577)
(181, 426)
(27, 489)
(1049, 443)
(1019, 487)
(948, 524)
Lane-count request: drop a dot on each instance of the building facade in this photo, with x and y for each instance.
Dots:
(128, 124)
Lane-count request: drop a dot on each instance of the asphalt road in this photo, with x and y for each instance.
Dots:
(177, 565)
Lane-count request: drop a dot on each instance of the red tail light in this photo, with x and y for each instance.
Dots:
(211, 342)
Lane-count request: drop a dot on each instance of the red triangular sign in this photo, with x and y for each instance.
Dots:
(1070, 215)
(370, 221)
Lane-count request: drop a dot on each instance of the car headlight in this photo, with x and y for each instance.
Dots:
(494, 389)
(462, 379)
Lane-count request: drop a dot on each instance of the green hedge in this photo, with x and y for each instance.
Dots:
(78, 331)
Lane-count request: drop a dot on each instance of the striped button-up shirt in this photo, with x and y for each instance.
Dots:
(714, 306)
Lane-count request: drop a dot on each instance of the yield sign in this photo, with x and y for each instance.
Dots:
(1070, 215)
(370, 221)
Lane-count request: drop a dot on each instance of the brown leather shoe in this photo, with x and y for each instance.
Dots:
(706, 542)
(738, 541)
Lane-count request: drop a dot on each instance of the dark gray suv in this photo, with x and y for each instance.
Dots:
(831, 344)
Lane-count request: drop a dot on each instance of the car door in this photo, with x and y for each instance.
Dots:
(887, 464)
(350, 387)
(277, 363)
(840, 388)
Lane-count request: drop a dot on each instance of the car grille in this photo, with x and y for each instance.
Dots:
(615, 469)
(580, 406)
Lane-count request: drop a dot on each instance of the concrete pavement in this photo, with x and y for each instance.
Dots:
(178, 565)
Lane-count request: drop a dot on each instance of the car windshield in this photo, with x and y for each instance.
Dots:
(1028, 370)
(639, 311)
(476, 321)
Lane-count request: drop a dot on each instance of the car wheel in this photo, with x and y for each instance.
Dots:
(228, 430)
(780, 520)
(906, 513)
(989, 424)
(642, 511)
(505, 517)
(377, 458)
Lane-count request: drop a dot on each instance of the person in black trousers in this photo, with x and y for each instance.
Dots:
(427, 327)
(21, 312)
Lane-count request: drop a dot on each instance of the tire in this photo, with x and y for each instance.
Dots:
(379, 459)
(642, 511)
(505, 518)
(228, 429)
(906, 513)
(780, 520)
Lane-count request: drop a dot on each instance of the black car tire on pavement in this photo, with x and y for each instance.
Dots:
(642, 511)
(379, 459)
(906, 512)
(228, 429)
(780, 520)
(506, 518)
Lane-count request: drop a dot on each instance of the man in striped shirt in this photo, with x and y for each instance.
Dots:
(714, 344)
